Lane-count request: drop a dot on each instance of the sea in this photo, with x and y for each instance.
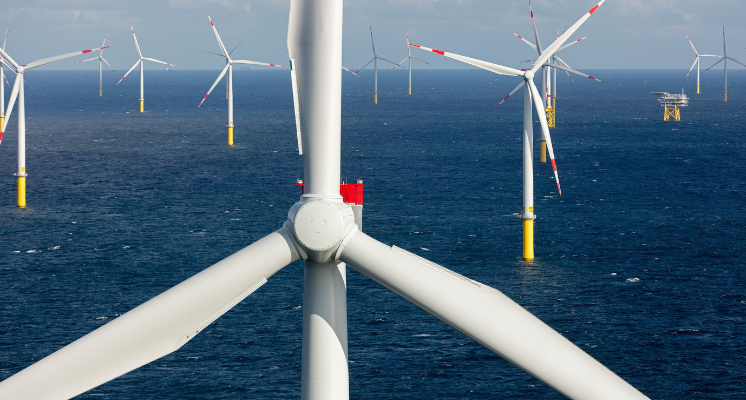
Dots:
(641, 261)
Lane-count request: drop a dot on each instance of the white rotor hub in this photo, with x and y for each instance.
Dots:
(529, 75)
(319, 225)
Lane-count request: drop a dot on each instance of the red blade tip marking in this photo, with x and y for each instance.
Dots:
(442, 53)
(554, 165)
(593, 9)
(86, 51)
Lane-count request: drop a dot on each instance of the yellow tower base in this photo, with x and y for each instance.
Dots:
(550, 117)
(142, 106)
(226, 94)
(726, 97)
(697, 89)
(410, 90)
(100, 92)
(22, 191)
(375, 98)
(230, 134)
(543, 151)
(672, 112)
(528, 239)
(2, 121)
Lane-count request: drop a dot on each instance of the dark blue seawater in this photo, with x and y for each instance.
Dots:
(640, 262)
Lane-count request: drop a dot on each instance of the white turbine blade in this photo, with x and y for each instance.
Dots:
(736, 61)
(103, 44)
(572, 71)
(154, 60)
(696, 60)
(220, 42)
(5, 38)
(570, 44)
(296, 102)
(48, 60)
(422, 61)
(239, 43)
(372, 42)
(511, 93)
(11, 103)
(498, 69)
(7, 58)
(343, 67)
(533, 46)
(536, 32)
(222, 73)
(725, 52)
(400, 63)
(388, 61)
(156, 328)
(718, 62)
(107, 63)
(563, 38)
(128, 72)
(366, 64)
(90, 59)
(692, 44)
(257, 63)
(488, 317)
(136, 44)
(545, 128)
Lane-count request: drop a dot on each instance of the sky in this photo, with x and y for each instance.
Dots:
(624, 34)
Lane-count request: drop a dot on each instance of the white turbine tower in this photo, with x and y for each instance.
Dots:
(409, 58)
(18, 93)
(141, 62)
(101, 60)
(374, 60)
(321, 231)
(229, 69)
(724, 58)
(530, 93)
(2, 87)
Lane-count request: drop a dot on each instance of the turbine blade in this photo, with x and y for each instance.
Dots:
(536, 32)
(498, 69)
(562, 39)
(136, 44)
(372, 42)
(488, 317)
(239, 43)
(533, 46)
(220, 42)
(128, 72)
(366, 64)
(222, 73)
(48, 60)
(156, 328)
(104, 43)
(388, 61)
(296, 102)
(736, 61)
(572, 71)
(107, 63)
(399, 64)
(343, 67)
(692, 44)
(257, 63)
(511, 93)
(696, 60)
(545, 128)
(90, 59)
(7, 58)
(718, 62)
(161, 62)
(11, 103)
(422, 61)
(570, 44)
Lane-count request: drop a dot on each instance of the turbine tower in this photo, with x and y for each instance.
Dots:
(141, 63)
(18, 93)
(409, 59)
(697, 62)
(374, 60)
(101, 60)
(321, 231)
(725, 66)
(229, 82)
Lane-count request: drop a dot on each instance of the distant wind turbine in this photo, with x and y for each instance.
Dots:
(101, 60)
(409, 58)
(724, 58)
(374, 60)
(141, 62)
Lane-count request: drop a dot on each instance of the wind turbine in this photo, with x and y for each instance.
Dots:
(724, 58)
(321, 231)
(374, 60)
(18, 93)
(696, 61)
(141, 62)
(229, 69)
(548, 78)
(409, 58)
(100, 59)
(2, 88)
(530, 93)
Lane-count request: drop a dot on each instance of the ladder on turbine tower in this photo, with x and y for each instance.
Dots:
(671, 104)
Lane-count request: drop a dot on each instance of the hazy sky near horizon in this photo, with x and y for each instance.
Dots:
(637, 34)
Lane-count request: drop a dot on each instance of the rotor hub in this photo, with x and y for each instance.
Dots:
(320, 226)
(529, 75)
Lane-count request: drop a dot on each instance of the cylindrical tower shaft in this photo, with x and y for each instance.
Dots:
(528, 175)
(142, 87)
(230, 105)
(21, 172)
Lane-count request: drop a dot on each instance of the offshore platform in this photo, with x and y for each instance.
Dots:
(671, 103)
